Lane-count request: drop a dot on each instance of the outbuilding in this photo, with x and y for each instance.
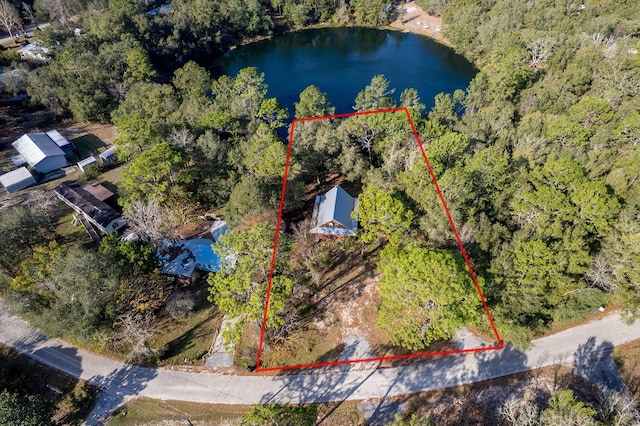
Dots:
(108, 156)
(18, 179)
(87, 163)
(40, 152)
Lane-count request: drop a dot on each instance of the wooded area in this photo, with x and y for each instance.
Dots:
(537, 159)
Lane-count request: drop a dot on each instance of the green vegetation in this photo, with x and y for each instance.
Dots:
(427, 295)
(27, 399)
(537, 160)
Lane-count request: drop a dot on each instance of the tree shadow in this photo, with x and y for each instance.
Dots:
(117, 388)
(594, 362)
(63, 358)
(390, 386)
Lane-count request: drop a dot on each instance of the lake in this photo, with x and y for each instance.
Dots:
(342, 61)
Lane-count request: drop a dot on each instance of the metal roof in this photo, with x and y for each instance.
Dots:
(17, 179)
(58, 138)
(83, 201)
(334, 206)
(35, 147)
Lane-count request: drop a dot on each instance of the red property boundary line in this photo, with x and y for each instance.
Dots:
(500, 344)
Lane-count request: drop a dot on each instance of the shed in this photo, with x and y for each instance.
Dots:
(87, 163)
(18, 179)
(96, 211)
(40, 152)
(332, 214)
(109, 156)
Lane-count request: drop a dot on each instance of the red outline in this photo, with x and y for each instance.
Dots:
(500, 344)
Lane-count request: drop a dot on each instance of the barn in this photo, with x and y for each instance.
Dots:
(41, 152)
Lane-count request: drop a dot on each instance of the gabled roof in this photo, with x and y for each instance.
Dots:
(35, 147)
(335, 207)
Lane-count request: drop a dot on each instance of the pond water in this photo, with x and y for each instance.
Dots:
(342, 61)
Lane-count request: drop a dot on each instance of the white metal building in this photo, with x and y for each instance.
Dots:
(17, 179)
(41, 152)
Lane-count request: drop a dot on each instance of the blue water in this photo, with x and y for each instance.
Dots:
(342, 61)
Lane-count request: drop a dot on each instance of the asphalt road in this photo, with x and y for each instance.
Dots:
(121, 382)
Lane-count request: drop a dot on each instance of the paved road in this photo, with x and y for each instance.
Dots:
(122, 382)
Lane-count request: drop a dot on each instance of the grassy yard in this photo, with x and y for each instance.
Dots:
(88, 145)
(143, 411)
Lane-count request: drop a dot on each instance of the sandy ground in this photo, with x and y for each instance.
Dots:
(418, 21)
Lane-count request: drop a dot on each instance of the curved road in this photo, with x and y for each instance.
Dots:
(121, 382)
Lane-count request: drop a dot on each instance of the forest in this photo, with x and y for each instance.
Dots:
(537, 159)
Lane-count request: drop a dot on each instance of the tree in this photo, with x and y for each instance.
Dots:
(152, 175)
(272, 113)
(148, 219)
(239, 289)
(14, 78)
(427, 295)
(192, 80)
(25, 410)
(9, 17)
(139, 67)
(565, 409)
(313, 103)
(376, 95)
(380, 214)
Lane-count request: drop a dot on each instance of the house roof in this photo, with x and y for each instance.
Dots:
(17, 176)
(98, 191)
(334, 206)
(35, 147)
(85, 201)
(182, 257)
(107, 153)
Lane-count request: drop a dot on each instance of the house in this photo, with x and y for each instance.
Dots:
(87, 163)
(109, 156)
(34, 52)
(18, 179)
(180, 258)
(40, 152)
(89, 201)
(332, 214)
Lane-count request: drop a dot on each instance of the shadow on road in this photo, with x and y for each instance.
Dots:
(117, 388)
(594, 362)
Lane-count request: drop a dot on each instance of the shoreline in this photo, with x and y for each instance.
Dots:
(417, 21)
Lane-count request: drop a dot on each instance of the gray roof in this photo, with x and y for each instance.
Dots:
(17, 179)
(334, 206)
(35, 147)
(83, 201)
(58, 138)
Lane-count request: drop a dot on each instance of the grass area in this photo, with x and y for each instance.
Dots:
(112, 178)
(150, 411)
(88, 145)
(73, 398)
(69, 233)
(187, 340)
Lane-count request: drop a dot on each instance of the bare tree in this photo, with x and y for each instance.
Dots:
(618, 408)
(135, 329)
(57, 10)
(9, 17)
(518, 413)
(541, 51)
(600, 274)
(182, 138)
(148, 219)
